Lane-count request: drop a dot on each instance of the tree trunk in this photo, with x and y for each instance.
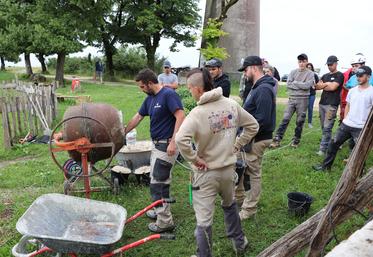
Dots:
(2, 63)
(42, 62)
(299, 238)
(60, 68)
(345, 187)
(28, 64)
(109, 50)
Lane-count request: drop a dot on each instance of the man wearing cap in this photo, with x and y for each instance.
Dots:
(220, 79)
(168, 79)
(331, 83)
(260, 103)
(359, 104)
(165, 109)
(298, 86)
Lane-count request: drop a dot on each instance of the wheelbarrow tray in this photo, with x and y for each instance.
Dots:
(69, 224)
(135, 156)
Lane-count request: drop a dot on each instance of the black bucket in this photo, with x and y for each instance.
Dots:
(299, 203)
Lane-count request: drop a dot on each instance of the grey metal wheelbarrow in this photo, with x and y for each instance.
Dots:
(67, 224)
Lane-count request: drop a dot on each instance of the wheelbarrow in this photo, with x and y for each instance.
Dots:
(66, 224)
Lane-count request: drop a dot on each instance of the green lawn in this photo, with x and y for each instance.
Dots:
(284, 170)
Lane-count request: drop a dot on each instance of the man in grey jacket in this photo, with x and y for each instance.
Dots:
(298, 86)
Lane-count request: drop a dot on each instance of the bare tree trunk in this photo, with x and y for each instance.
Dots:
(2, 63)
(299, 238)
(28, 64)
(345, 187)
(41, 59)
(60, 68)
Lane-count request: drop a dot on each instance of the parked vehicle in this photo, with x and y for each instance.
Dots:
(284, 77)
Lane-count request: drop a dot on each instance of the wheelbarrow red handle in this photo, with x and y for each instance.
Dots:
(156, 203)
(139, 242)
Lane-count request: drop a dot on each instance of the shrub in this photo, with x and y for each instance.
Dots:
(188, 101)
(129, 60)
(74, 65)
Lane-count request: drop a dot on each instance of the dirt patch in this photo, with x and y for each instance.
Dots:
(3, 164)
(6, 214)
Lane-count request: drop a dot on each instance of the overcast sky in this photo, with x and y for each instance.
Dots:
(318, 28)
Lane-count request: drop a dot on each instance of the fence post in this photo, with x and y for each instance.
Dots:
(7, 141)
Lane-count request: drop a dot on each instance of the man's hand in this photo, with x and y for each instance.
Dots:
(201, 164)
(171, 148)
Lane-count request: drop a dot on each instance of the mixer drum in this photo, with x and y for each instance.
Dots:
(80, 127)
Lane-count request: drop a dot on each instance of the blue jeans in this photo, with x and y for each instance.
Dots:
(343, 134)
(328, 114)
(311, 101)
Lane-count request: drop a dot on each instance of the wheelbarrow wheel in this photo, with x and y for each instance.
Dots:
(116, 187)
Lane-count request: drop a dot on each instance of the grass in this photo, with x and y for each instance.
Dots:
(284, 170)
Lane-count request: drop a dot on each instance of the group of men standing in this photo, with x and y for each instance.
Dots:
(225, 142)
(208, 138)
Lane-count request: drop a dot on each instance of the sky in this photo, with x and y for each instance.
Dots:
(318, 28)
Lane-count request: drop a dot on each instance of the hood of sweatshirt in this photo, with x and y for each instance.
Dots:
(211, 96)
(266, 79)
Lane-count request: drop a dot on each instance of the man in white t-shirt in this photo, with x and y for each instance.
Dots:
(168, 79)
(359, 105)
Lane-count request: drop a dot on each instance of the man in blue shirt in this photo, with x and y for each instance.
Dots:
(165, 109)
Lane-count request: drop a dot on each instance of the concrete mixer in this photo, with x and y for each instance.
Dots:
(91, 132)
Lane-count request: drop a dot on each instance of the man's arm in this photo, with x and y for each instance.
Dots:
(307, 84)
(347, 109)
(180, 116)
(331, 86)
(250, 128)
(136, 119)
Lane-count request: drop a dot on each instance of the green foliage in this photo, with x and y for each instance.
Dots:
(148, 23)
(186, 97)
(129, 60)
(214, 52)
(210, 38)
(74, 65)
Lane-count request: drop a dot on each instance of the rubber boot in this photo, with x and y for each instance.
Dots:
(204, 241)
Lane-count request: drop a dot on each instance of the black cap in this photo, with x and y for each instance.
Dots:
(332, 59)
(214, 62)
(251, 60)
(363, 70)
(302, 57)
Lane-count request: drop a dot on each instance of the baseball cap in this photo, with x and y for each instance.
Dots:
(302, 57)
(214, 62)
(251, 60)
(332, 59)
(166, 64)
(363, 70)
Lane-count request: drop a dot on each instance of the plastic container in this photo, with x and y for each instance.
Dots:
(299, 203)
(131, 137)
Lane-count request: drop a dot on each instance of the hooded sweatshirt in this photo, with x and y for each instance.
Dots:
(261, 103)
(224, 83)
(299, 83)
(213, 125)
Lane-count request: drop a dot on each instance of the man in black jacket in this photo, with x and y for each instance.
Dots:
(220, 79)
(261, 103)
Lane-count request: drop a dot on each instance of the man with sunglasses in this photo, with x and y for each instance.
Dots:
(220, 79)
(168, 79)
(165, 109)
(331, 83)
(359, 104)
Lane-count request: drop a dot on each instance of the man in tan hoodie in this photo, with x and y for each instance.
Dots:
(212, 125)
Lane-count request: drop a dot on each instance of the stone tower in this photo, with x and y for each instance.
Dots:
(243, 26)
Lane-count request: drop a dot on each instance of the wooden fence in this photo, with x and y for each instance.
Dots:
(26, 108)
